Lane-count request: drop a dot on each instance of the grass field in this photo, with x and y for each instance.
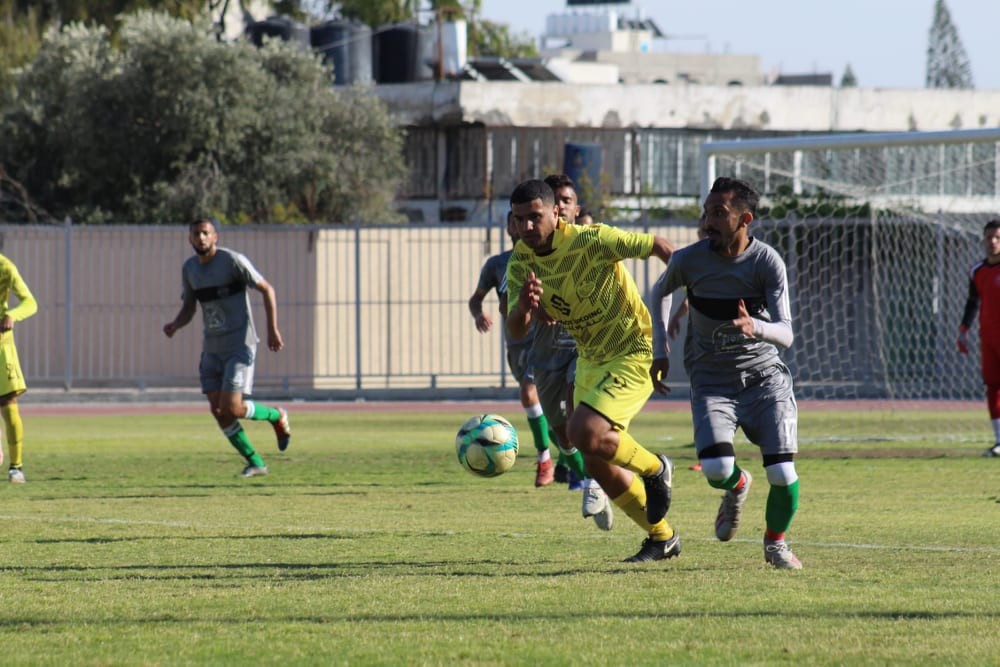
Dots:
(135, 543)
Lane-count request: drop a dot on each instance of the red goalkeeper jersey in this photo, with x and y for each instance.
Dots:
(984, 297)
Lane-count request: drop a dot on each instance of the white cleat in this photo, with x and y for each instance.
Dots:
(596, 504)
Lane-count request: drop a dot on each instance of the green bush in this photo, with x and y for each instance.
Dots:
(164, 123)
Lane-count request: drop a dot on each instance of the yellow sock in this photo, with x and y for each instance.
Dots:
(15, 432)
(633, 456)
(633, 503)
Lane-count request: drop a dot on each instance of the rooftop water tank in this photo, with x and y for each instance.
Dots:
(348, 46)
(402, 53)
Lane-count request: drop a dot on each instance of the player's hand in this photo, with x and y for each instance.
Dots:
(170, 329)
(530, 297)
(483, 322)
(658, 373)
(544, 317)
(7, 323)
(963, 342)
(674, 326)
(274, 341)
(743, 321)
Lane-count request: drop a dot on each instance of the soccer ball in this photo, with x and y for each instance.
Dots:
(486, 445)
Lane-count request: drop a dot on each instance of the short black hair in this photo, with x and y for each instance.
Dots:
(992, 224)
(559, 181)
(210, 220)
(529, 191)
(743, 193)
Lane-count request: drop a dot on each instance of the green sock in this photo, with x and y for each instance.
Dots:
(258, 412)
(540, 431)
(730, 482)
(574, 461)
(239, 440)
(782, 502)
(562, 460)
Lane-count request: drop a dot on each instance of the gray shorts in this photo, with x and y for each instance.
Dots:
(519, 360)
(761, 403)
(554, 392)
(229, 371)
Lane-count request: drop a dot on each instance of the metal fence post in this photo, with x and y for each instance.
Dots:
(68, 245)
(357, 303)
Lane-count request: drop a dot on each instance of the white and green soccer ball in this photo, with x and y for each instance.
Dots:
(486, 445)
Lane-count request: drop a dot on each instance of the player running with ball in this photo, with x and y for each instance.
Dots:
(575, 274)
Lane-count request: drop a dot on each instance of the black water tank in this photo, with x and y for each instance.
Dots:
(401, 53)
(280, 27)
(348, 46)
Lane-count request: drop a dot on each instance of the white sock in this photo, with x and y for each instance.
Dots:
(544, 456)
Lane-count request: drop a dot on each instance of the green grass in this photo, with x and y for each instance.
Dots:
(134, 543)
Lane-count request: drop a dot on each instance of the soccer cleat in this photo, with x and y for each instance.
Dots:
(605, 519)
(544, 472)
(575, 482)
(993, 451)
(728, 518)
(283, 430)
(657, 549)
(254, 471)
(15, 476)
(561, 474)
(597, 505)
(777, 553)
(658, 490)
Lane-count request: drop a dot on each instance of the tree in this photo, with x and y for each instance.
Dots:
(377, 12)
(947, 63)
(487, 38)
(166, 123)
(848, 80)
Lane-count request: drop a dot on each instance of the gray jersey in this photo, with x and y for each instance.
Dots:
(714, 349)
(553, 347)
(220, 286)
(494, 276)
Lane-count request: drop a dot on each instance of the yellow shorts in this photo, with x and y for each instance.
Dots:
(617, 389)
(11, 377)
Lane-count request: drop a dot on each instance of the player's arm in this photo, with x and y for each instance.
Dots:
(529, 297)
(779, 330)
(274, 341)
(674, 326)
(483, 321)
(26, 307)
(662, 248)
(659, 302)
(968, 316)
(184, 315)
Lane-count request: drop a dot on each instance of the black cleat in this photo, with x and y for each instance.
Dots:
(657, 549)
(562, 474)
(658, 490)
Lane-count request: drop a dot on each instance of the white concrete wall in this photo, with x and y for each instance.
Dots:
(777, 108)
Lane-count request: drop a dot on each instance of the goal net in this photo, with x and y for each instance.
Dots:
(878, 232)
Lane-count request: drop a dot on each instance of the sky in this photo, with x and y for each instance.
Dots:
(884, 41)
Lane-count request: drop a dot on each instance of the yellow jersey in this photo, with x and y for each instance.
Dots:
(586, 287)
(12, 283)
